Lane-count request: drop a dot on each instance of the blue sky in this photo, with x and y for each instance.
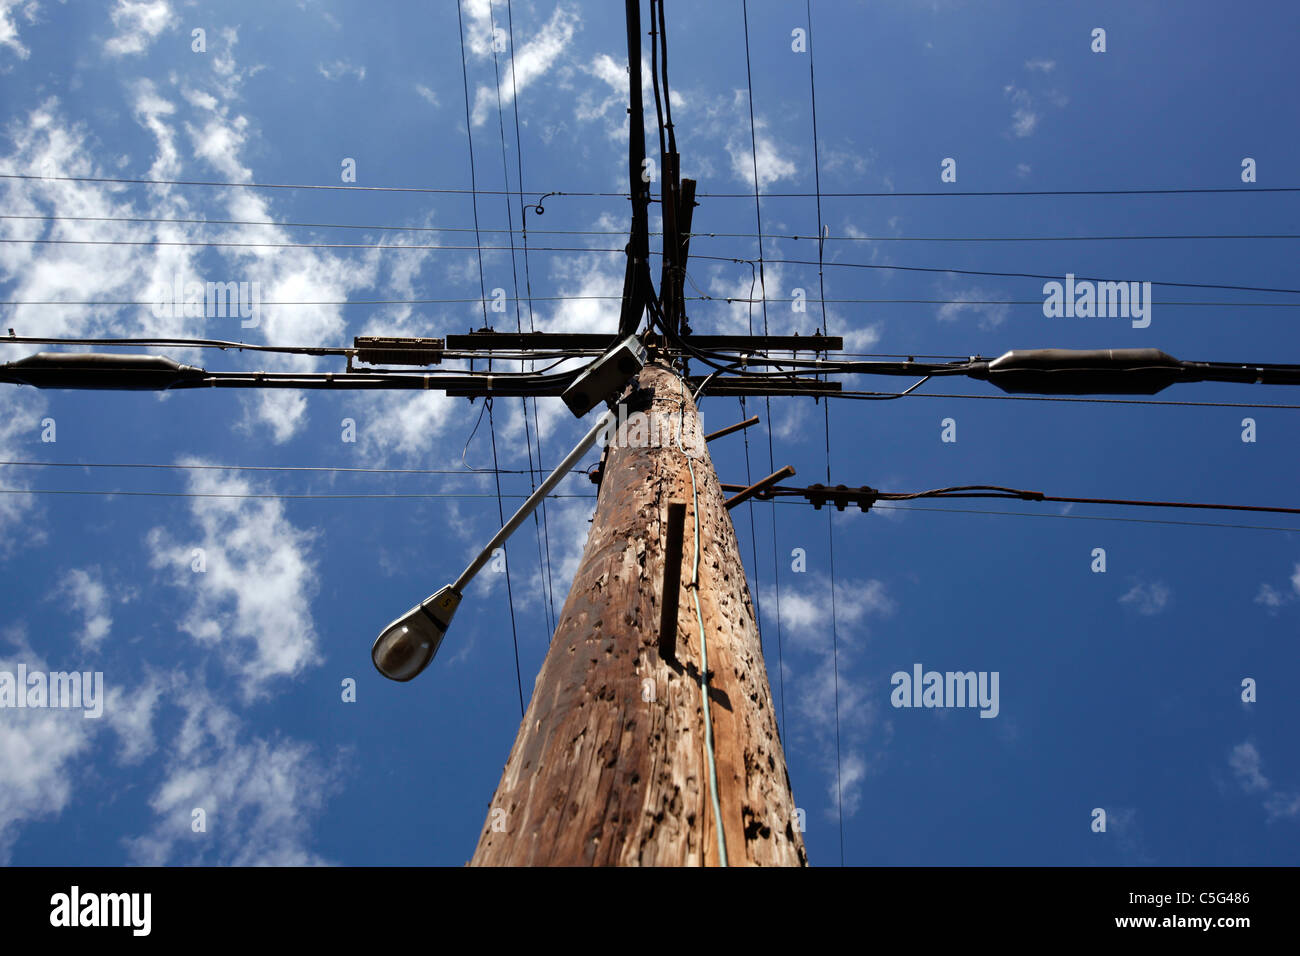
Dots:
(1118, 690)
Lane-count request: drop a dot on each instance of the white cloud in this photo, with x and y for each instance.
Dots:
(1247, 766)
(258, 795)
(531, 61)
(426, 94)
(210, 132)
(805, 620)
(1024, 118)
(409, 425)
(84, 589)
(1282, 805)
(772, 165)
(40, 751)
(138, 23)
(252, 604)
(973, 300)
(1270, 596)
(1026, 111)
(1147, 598)
(21, 412)
(9, 28)
(337, 69)
(611, 107)
(859, 340)
(130, 714)
(1245, 763)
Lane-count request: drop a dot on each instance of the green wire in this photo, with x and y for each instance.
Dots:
(704, 648)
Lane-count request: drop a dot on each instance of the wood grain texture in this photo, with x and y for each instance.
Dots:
(601, 775)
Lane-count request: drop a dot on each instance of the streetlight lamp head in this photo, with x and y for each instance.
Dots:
(405, 647)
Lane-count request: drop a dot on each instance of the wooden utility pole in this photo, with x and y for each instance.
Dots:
(610, 763)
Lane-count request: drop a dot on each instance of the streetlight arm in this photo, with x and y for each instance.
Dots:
(527, 508)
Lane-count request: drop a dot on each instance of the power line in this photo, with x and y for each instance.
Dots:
(519, 327)
(1011, 275)
(1048, 514)
(311, 225)
(295, 497)
(217, 244)
(350, 187)
(1034, 302)
(353, 187)
(528, 286)
(865, 497)
(378, 227)
(1017, 192)
(467, 495)
(729, 300)
(340, 302)
(467, 473)
(826, 417)
(592, 249)
(857, 395)
(1113, 238)
(487, 402)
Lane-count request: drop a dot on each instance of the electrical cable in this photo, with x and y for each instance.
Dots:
(382, 227)
(1019, 192)
(295, 497)
(1013, 275)
(826, 415)
(308, 468)
(519, 324)
(350, 187)
(729, 300)
(528, 286)
(606, 195)
(505, 557)
(694, 588)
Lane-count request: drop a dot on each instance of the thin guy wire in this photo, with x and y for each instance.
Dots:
(826, 415)
(519, 323)
(528, 286)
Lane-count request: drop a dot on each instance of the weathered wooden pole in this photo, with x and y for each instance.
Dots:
(610, 766)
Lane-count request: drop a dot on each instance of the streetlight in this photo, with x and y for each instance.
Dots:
(406, 646)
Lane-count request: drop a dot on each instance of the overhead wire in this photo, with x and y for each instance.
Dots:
(388, 227)
(349, 187)
(207, 466)
(468, 495)
(487, 401)
(729, 300)
(826, 415)
(1012, 275)
(528, 286)
(767, 402)
(353, 187)
(323, 497)
(519, 325)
